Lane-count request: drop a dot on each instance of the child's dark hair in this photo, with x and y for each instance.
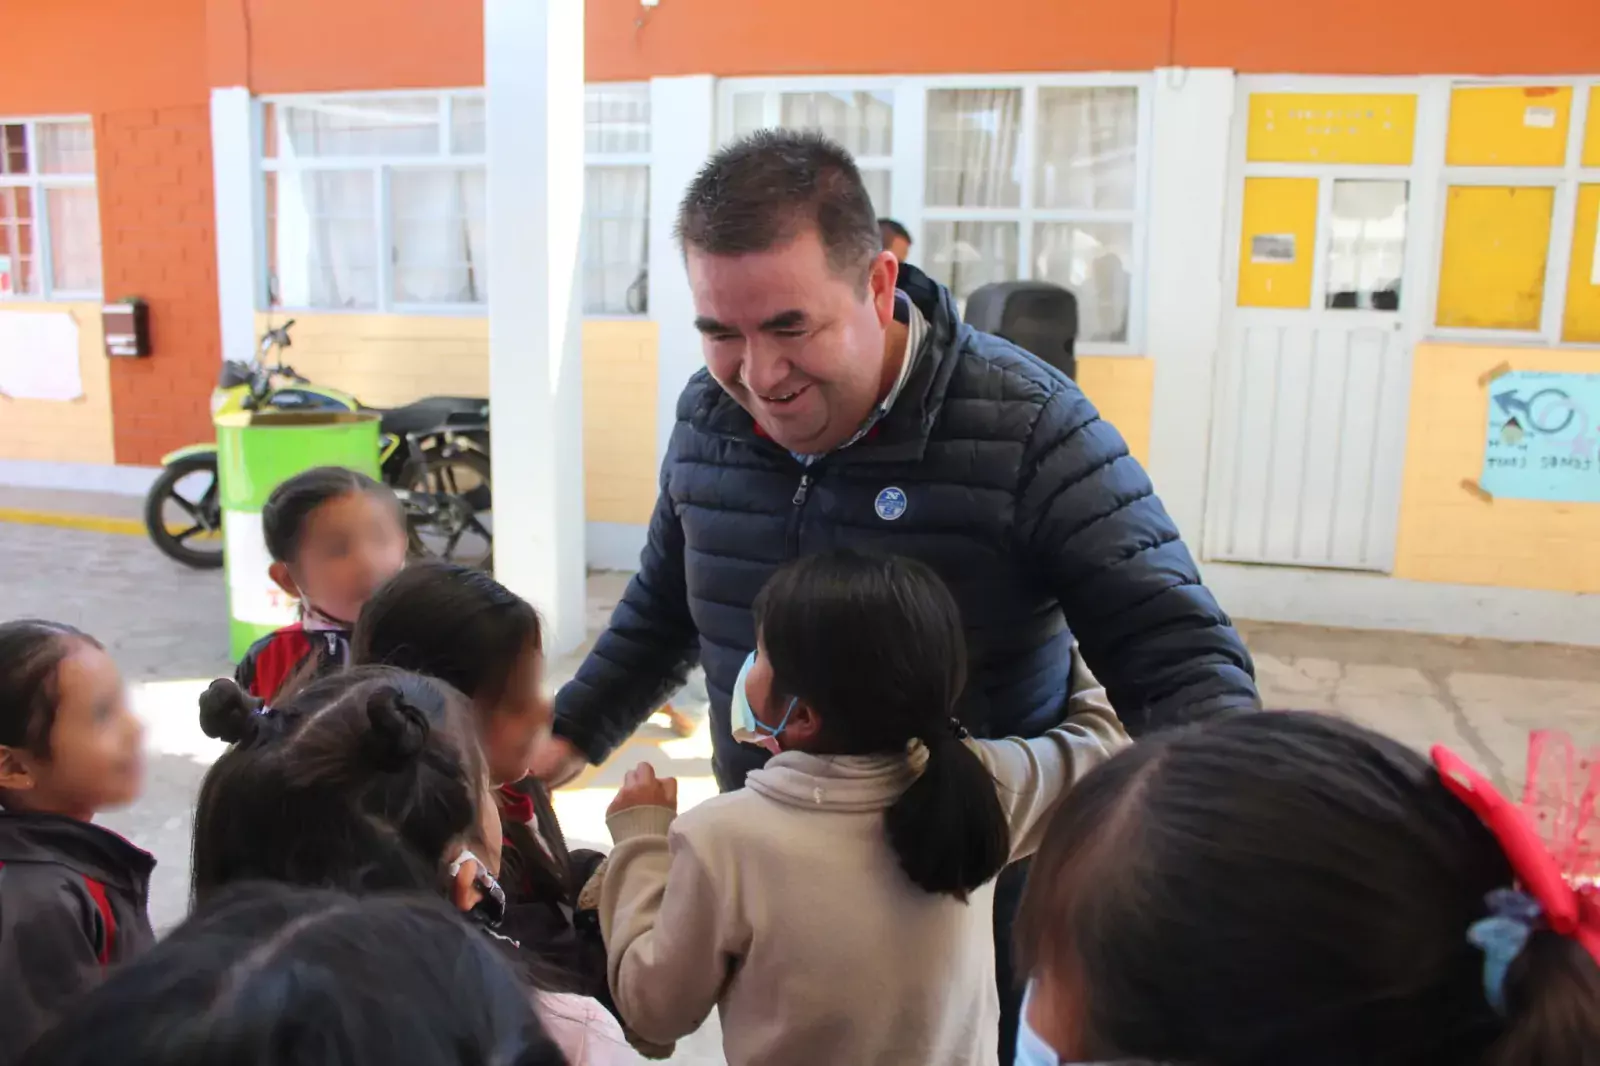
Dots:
(448, 621)
(874, 645)
(465, 628)
(269, 974)
(1276, 888)
(31, 653)
(283, 519)
(359, 781)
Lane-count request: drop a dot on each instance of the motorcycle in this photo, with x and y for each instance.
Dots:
(433, 453)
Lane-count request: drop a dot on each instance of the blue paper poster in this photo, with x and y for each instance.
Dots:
(1544, 437)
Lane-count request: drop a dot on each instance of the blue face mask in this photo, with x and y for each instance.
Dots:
(747, 728)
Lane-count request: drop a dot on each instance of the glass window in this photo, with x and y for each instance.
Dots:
(972, 148)
(323, 227)
(437, 230)
(617, 119)
(1095, 261)
(860, 121)
(1366, 244)
(1088, 149)
(468, 129)
(616, 240)
(49, 210)
(967, 255)
(345, 126)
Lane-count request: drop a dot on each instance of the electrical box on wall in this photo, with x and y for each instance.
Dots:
(127, 329)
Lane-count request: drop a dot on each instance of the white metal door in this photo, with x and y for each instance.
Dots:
(1309, 423)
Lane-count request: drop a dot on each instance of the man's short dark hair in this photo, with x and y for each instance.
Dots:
(889, 229)
(765, 189)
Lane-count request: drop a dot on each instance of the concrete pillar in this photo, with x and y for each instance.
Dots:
(233, 147)
(682, 124)
(533, 73)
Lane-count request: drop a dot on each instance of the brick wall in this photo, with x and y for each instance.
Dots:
(1447, 533)
(156, 229)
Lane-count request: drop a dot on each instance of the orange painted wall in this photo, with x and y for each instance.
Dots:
(140, 71)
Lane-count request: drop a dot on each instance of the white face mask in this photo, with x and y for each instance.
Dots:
(746, 727)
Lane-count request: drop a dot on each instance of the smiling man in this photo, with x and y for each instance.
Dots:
(845, 404)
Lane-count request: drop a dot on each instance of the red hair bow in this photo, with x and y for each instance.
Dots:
(1570, 906)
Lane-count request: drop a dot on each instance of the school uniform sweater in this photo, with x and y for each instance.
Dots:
(73, 899)
(785, 906)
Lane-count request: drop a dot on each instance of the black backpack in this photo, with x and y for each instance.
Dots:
(1035, 315)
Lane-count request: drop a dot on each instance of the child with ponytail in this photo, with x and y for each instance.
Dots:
(840, 907)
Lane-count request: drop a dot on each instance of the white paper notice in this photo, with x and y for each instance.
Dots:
(1276, 248)
(252, 595)
(39, 356)
(1539, 118)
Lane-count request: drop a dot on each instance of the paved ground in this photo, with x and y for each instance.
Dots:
(165, 625)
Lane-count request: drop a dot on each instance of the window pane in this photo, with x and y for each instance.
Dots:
(862, 122)
(616, 118)
(1491, 265)
(353, 126)
(967, 255)
(1366, 245)
(877, 183)
(1095, 261)
(436, 227)
(616, 240)
(1088, 146)
(65, 147)
(14, 149)
(467, 131)
(323, 235)
(74, 239)
(972, 148)
(1580, 320)
(749, 113)
(16, 242)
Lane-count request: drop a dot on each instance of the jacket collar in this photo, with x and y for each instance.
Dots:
(838, 782)
(84, 848)
(902, 434)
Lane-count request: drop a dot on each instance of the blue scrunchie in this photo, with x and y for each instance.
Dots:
(1501, 936)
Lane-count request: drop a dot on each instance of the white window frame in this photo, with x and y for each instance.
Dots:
(381, 168)
(1564, 180)
(39, 185)
(608, 160)
(907, 164)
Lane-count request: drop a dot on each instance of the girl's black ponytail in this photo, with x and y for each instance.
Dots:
(874, 645)
(948, 828)
(1552, 1000)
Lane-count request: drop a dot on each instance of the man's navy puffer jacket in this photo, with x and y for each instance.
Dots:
(1015, 491)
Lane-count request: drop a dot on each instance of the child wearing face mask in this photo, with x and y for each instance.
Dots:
(73, 896)
(462, 626)
(840, 907)
(334, 535)
(371, 780)
(1296, 889)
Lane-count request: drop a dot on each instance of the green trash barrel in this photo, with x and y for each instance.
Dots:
(257, 452)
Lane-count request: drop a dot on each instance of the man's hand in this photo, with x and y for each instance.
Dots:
(642, 788)
(556, 762)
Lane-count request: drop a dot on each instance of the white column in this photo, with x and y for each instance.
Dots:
(682, 128)
(1187, 291)
(233, 191)
(533, 71)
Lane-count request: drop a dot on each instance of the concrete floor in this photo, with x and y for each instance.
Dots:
(164, 625)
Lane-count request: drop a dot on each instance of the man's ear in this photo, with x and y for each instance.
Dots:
(804, 727)
(14, 773)
(464, 891)
(882, 274)
(279, 572)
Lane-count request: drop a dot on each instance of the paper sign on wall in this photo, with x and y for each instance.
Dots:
(39, 356)
(1543, 437)
(1539, 118)
(1272, 248)
(252, 595)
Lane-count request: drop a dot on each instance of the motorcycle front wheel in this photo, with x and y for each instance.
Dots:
(183, 514)
(449, 507)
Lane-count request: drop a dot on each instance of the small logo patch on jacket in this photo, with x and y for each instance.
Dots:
(890, 504)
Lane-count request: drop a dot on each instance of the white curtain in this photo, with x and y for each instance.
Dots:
(1093, 260)
(616, 227)
(324, 238)
(1087, 148)
(74, 239)
(972, 150)
(437, 226)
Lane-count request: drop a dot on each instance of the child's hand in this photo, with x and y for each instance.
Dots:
(642, 788)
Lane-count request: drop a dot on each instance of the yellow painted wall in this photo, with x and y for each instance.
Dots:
(1121, 388)
(76, 431)
(1448, 534)
(388, 360)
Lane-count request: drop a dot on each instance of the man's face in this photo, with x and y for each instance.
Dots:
(795, 344)
(898, 247)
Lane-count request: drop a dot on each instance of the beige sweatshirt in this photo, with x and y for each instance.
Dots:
(784, 906)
